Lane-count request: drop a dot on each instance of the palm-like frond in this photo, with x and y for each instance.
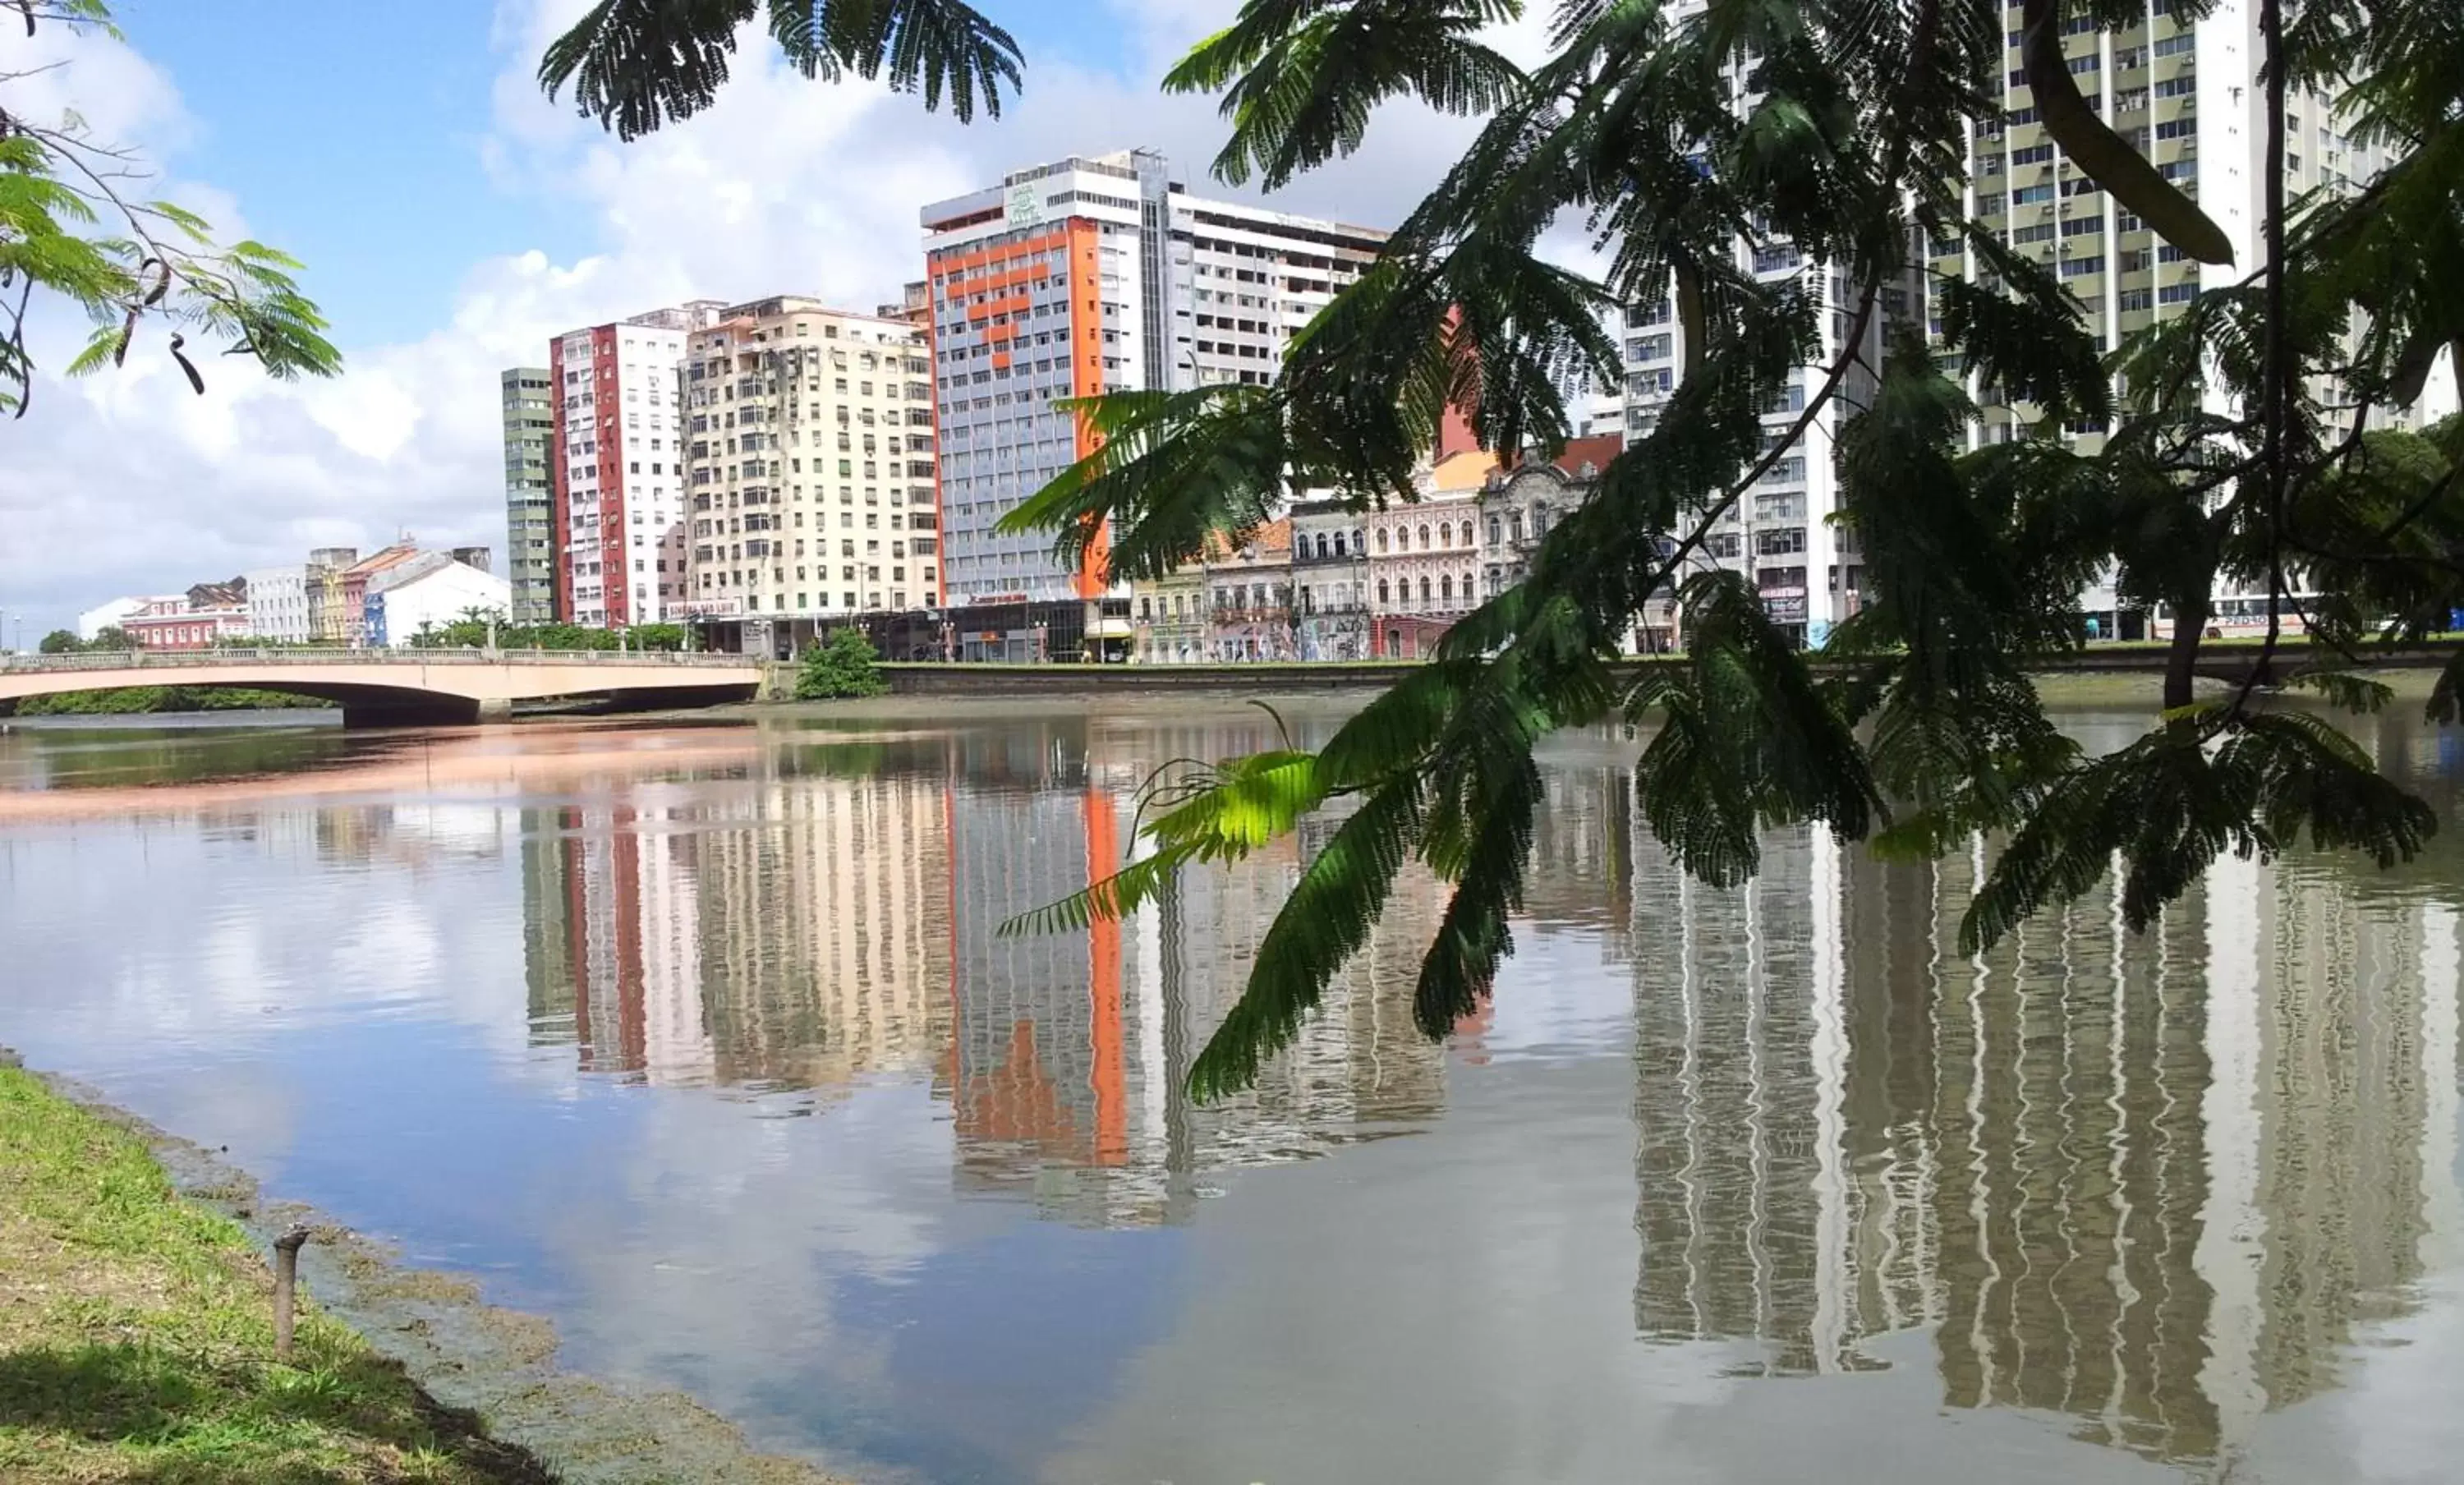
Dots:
(1300, 78)
(637, 64)
(1170, 471)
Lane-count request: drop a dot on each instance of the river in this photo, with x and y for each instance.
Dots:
(699, 1040)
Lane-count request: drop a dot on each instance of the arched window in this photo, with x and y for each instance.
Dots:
(1445, 533)
(1539, 521)
(1338, 545)
(1381, 539)
(1446, 587)
(1424, 538)
(1424, 588)
(1494, 537)
(1382, 597)
(1321, 546)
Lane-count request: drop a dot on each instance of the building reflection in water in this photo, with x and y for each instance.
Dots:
(834, 915)
(2159, 1186)
(2156, 1186)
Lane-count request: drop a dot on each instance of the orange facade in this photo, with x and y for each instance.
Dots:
(956, 274)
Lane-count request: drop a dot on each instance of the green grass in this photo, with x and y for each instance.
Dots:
(136, 1338)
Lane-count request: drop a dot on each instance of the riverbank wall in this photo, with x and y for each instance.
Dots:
(2226, 663)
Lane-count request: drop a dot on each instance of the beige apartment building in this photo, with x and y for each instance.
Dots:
(810, 468)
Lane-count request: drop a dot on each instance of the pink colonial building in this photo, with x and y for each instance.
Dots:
(1424, 558)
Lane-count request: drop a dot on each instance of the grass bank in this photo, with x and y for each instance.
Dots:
(136, 1338)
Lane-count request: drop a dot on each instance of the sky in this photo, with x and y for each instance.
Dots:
(452, 220)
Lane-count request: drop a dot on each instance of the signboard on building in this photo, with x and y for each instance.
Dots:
(1025, 206)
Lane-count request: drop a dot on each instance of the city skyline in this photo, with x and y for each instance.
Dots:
(407, 437)
(502, 221)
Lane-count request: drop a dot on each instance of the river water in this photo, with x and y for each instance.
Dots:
(700, 1041)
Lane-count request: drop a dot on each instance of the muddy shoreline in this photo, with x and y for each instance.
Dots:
(464, 1352)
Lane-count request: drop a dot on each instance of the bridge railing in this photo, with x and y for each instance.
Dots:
(190, 660)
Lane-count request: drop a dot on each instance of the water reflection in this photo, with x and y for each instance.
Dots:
(2159, 1190)
(2160, 1186)
(832, 916)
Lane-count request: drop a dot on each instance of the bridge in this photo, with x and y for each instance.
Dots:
(407, 688)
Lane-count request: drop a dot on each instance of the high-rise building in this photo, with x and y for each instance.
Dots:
(530, 500)
(810, 460)
(1087, 275)
(616, 461)
(2187, 95)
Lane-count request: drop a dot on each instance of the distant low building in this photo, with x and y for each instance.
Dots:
(1424, 558)
(1329, 581)
(1168, 618)
(278, 608)
(116, 615)
(428, 591)
(1249, 592)
(205, 616)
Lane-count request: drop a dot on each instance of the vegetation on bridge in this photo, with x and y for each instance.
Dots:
(136, 700)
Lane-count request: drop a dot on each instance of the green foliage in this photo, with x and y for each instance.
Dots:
(846, 665)
(2226, 444)
(112, 639)
(637, 64)
(68, 229)
(61, 641)
(670, 638)
(130, 700)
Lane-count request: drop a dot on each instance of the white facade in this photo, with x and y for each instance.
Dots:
(617, 460)
(430, 593)
(2439, 398)
(277, 604)
(119, 610)
(810, 464)
(1085, 275)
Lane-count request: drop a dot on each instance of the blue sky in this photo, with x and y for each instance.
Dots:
(352, 132)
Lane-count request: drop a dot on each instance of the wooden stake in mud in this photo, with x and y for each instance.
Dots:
(286, 1280)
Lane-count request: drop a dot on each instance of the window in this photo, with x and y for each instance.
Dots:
(2183, 87)
(1381, 546)
(1384, 597)
(2030, 195)
(2034, 154)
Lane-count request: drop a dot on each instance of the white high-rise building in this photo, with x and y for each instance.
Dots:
(810, 464)
(2188, 96)
(1087, 275)
(617, 461)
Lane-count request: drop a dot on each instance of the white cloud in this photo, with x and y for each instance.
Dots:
(129, 484)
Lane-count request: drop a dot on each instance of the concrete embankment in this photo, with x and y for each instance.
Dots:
(2224, 661)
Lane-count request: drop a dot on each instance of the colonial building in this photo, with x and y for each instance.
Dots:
(1168, 616)
(1249, 593)
(1424, 558)
(1520, 506)
(1329, 581)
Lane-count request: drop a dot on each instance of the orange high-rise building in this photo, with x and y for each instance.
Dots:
(1088, 275)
